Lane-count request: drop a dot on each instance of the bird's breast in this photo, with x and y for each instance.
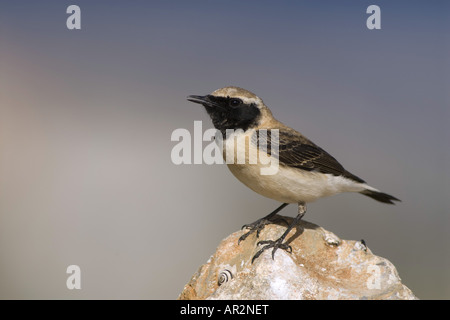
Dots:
(289, 185)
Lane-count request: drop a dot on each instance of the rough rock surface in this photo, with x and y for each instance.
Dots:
(321, 266)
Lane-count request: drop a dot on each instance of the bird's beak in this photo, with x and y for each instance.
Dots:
(204, 100)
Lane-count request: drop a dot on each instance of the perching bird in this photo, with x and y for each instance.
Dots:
(305, 172)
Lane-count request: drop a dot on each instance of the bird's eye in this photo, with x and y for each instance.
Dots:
(235, 102)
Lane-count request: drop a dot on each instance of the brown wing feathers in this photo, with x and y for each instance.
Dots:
(298, 152)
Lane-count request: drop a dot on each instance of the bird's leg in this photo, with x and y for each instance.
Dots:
(278, 244)
(259, 224)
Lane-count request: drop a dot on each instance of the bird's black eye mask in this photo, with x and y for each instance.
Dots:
(232, 113)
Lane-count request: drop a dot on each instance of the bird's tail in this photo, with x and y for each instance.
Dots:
(380, 196)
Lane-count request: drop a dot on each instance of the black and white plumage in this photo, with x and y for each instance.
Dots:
(306, 172)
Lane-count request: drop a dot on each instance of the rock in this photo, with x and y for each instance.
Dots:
(321, 266)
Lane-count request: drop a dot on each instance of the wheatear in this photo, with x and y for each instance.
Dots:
(306, 172)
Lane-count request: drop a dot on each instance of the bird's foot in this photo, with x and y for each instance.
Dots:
(257, 226)
(275, 245)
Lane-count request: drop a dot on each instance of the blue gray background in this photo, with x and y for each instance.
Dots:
(86, 117)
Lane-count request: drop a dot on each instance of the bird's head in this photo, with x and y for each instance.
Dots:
(233, 108)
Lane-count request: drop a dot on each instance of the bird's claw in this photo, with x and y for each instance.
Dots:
(274, 244)
(258, 226)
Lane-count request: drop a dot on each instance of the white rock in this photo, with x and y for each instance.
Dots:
(321, 266)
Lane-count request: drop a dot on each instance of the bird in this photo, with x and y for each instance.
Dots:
(305, 172)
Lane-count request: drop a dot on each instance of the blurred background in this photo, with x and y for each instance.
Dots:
(86, 118)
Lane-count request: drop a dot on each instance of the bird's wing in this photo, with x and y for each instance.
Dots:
(298, 152)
